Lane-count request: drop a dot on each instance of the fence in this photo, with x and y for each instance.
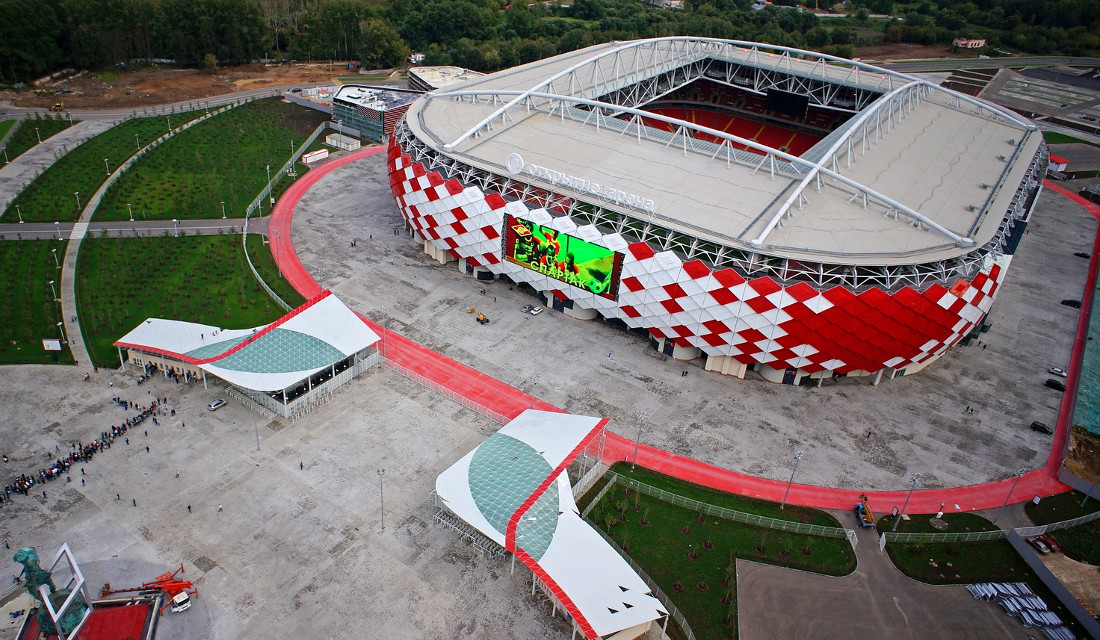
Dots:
(257, 203)
(661, 596)
(438, 388)
(971, 536)
(730, 514)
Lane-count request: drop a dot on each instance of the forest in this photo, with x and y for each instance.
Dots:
(41, 36)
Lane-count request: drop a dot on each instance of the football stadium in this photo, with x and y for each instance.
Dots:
(762, 207)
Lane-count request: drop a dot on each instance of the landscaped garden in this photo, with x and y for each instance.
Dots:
(204, 279)
(26, 137)
(52, 196)
(28, 312)
(223, 160)
(1082, 543)
(691, 556)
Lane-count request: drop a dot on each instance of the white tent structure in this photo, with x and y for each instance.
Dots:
(512, 488)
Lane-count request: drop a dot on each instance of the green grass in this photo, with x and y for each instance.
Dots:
(261, 257)
(25, 136)
(51, 196)
(204, 279)
(672, 547)
(922, 523)
(223, 159)
(1052, 137)
(28, 312)
(727, 500)
(1082, 542)
(5, 126)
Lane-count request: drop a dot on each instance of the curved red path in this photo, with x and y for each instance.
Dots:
(457, 379)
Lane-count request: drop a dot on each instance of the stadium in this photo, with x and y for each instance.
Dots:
(765, 208)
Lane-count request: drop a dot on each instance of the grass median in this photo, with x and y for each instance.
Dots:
(692, 557)
(222, 160)
(204, 279)
(28, 312)
(1082, 543)
(52, 196)
(25, 137)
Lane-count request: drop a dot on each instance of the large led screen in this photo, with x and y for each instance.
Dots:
(562, 257)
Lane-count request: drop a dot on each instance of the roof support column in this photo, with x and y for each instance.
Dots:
(121, 359)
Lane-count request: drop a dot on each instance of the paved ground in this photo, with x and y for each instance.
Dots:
(874, 601)
(295, 553)
(856, 436)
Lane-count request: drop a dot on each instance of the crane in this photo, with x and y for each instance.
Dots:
(179, 592)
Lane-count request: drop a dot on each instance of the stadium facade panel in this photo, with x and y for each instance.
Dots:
(873, 251)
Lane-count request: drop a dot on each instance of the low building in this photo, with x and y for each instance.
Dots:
(342, 142)
(968, 43)
(370, 112)
(284, 367)
(432, 78)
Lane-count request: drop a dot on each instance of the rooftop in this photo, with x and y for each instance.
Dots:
(440, 77)
(377, 98)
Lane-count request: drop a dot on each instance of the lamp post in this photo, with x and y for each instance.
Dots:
(53, 290)
(531, 384)
(1019, 474)
(131, 210)
(55, 262)
(20, 212)
(381, 500)
(917, 478)
(176, 227)
(797, 458)
(5, 150)
(137, 141)
(38, 135)
(108, 165)
(77, 194)
(643, 417)
(61, 326)
(223, 210)
(384, 332)
(57, 227)
(169, 123)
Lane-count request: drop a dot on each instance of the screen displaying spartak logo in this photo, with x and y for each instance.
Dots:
(562, 257)
(516, 165)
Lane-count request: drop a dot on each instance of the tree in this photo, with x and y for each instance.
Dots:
(210, 63)
(381, 45)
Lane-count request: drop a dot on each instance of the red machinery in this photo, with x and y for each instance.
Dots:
(178, 591)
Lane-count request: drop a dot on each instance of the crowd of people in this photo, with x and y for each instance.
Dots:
(81, 452)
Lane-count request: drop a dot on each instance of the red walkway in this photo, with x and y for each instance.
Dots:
(459, 380)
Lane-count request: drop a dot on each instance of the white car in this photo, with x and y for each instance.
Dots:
(215, 405)
(1056, 371)
(535, 311)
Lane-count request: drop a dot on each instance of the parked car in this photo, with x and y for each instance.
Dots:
(1082, 254)
(1039, 545)
(1049, 542)
(527, 308)
(1041, 427)
(1076, 304)
(215, 405)
(1057, 385)
(1056, 371)
(535, 311)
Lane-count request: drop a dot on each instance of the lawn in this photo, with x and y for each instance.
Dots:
(223, 159)
(5, 126)
(691, 557)
(51, 196)
(25, 136)
(260, 254)
(121, 282)
(922, 523)
(28, 312)
(1081, 542)
(1052, 137)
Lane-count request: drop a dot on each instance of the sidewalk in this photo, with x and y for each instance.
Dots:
(22, 170)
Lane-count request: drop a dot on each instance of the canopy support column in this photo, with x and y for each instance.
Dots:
(121, 359)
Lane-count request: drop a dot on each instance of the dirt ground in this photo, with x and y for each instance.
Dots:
(1084, 454)
(105, 90)
(904, 51)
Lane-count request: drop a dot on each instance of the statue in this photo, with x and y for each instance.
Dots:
(33, 577)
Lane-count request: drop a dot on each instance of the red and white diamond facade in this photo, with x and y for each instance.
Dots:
(874, 250)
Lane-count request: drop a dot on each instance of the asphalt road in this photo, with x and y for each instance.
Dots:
(950, 64)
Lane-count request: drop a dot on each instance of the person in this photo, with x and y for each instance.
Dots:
(134, 501)
(219, 507)
(188, 508)
(302, 465)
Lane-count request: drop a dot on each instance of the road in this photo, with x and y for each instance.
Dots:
(950, 64)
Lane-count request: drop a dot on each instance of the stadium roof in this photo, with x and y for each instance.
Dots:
(512, 489)
(444, 76)
(918, 174)
(309, 339)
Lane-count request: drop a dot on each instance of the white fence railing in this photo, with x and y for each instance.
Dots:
(453, 395)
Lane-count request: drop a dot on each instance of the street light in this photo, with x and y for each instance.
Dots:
(5, 150)
(38, 135)
(531, 384)
(278, 253)
(57, 227)
(169, 123)
(223, 210)
(797, 458)
(176, 227)
(77, 194)
(106, 164)
(131, 210)
(381, 499)
(53, 290)
(917, 479)
(137, 141)
(643, 416)
(1019, 474)
(20, 212)
(383, 332)
(269, 174)
(56, 263)
(61, 325)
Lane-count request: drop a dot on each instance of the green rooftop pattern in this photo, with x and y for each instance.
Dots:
(536, 528)
(215, 348)
(282, 351)
(503, 473)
